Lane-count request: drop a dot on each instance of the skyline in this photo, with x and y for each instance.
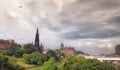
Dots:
(83, 24)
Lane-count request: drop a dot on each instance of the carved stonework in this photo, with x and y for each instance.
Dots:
(37, 45)
(68, 51)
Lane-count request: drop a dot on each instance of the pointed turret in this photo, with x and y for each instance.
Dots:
(37, 39)
(41, 47)
(38, 46)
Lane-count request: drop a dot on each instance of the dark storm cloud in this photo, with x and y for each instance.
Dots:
(108, 4)
(101, 4)
(114, 20)
(91, 35)
(60, 20)
(86, 21)
(94, 30)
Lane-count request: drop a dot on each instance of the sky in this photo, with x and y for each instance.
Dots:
(88, 25)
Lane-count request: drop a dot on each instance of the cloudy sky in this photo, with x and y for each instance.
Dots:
(88, 25)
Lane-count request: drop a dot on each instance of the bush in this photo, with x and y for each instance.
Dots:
(50, 65)
(54, 54)
(76, 63)
(80, 63)
(13, 63)
(35, 58)
(12, 50)
(18, 53)
(29, 48)
(4, 64)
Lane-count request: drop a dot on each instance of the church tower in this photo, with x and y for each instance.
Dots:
(117, 50)
(37, 45)
(62, 46)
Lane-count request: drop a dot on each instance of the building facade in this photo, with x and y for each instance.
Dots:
(68, 51)
(117, 50)
(5, 44)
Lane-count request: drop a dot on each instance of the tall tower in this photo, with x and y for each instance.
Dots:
(37, 45)
(37, 39)
(62, 46)
(117, 48)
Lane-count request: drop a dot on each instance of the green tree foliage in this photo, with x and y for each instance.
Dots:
(50, 65)
(16, 50)
(54, 54)
(59, 53)
(35, 58)
(13, 63)
(29, 48)
(18, 53)
(76, 63)
(3, 61)
(80, 63)
(12, 50)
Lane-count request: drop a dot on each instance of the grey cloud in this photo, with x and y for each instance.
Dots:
(101, 4)
(83, 19)
(115, 20)
(108, 4)
(86, 26)
(91, 35)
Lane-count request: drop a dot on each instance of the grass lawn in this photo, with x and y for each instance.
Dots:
(22, 64)
(35, 68)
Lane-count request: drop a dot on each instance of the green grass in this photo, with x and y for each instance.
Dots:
(24, 65)
(35, 68)
(20, 63)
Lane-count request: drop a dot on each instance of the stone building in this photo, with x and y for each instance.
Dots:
(117, 50)
(68, 51)
(38, 46)
(5, 44)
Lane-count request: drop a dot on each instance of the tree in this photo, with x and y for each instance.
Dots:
(35, 58)
(50, 65)
(13, 48)
(55, 54)
(13, 63)
(29, 48)
(18, 53)
(75, 63)
(80, 63)
(3, 61)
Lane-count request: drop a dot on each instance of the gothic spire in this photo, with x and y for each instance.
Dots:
(37, 39)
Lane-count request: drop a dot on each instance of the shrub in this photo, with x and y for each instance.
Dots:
(3, 61)
(35, 58)
(13, 63)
